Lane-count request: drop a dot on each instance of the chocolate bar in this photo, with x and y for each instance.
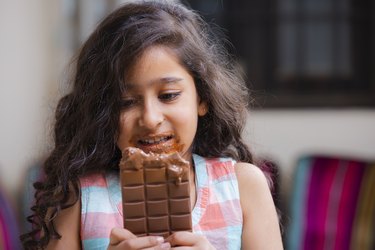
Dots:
(155, 192)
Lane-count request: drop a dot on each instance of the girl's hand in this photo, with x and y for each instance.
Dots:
(123, 239)
(187, 240)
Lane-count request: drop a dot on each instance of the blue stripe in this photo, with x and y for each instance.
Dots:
(96, 244)
(226, 190)
(101, 204)
(200, 182)
(113, 181)
(298, 204)
(234, 237)
(200, 170)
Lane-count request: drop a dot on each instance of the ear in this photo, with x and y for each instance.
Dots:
(202, 108)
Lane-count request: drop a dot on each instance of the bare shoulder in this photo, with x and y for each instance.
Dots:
(253, 186)
(67, 224)
(260, 222)
(250, 176)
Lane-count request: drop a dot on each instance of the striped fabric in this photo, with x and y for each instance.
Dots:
(101, 209)
(217, 213)
(332, 205)
(9, 231)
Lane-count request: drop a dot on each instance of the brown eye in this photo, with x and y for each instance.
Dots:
(128, 103)
(169, 96)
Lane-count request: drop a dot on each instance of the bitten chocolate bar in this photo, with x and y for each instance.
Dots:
(155, 193)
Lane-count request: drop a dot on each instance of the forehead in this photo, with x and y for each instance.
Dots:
(156, 62)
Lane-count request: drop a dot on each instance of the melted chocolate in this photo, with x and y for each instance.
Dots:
(155, 192)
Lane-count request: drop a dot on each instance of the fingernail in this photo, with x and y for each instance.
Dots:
(165, 245)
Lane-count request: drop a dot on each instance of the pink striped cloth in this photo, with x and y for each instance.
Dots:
(9, 230)
(217, 213)
(332, 205)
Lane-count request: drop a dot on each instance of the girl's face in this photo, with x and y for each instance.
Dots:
(160, 108)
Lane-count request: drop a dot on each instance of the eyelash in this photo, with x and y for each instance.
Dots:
(165, 97)
(128, 103)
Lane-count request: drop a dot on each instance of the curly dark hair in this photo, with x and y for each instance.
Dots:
(87, 119)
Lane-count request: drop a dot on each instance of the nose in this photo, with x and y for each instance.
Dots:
(151, 116)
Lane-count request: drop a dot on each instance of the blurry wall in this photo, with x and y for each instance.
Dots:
(285, 135)
(33, 55)
(28, 82)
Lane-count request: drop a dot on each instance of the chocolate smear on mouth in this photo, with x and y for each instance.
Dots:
(163, 148)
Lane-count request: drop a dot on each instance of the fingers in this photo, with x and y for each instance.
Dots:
(182, 239)
(120, 234)
(187, 240)
(163, 246)
(121, 238)
(147, 242)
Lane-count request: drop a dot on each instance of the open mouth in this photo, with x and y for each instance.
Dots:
(161, 143)
(154, 140)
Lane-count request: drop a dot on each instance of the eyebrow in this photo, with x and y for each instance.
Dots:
(163, 80)
(170, 79)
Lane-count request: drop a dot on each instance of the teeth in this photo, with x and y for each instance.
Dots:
(154, 140)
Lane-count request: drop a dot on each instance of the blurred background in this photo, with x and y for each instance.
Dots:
(310, 66)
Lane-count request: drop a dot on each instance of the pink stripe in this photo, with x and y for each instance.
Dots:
(204, 195)
(95, 179)
(325, 190)
(217, 170)
(3, 237)
(323, 171)
(4, 234)
(333, 207)
(91, 229)
(232, 212)
(213, 218)
(2, 244)
(348, 203)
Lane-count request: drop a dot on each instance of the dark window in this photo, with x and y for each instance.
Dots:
(302, 53)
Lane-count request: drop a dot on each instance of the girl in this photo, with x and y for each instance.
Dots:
(153, 76)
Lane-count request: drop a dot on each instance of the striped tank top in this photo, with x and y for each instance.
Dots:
(217, 213)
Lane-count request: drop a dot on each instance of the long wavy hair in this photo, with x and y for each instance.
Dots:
(87, 119)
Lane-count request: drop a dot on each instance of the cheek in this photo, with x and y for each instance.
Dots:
(187, 111)
(187, 119)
